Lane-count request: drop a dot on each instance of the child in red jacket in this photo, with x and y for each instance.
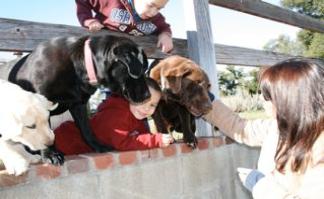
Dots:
(135, 17)
(118, 124)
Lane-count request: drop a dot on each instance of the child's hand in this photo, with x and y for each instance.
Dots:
(165, 42)
(93, 25)
(167, 140)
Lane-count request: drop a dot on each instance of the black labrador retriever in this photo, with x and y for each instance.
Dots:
(57, 70)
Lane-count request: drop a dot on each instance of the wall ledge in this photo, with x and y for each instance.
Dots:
(94, 162)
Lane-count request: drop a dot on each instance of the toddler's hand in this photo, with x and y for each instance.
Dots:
(167, 140)
(93, 25)
(165, 42)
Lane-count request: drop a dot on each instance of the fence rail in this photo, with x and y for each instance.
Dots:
(269, 11)
(20, 35)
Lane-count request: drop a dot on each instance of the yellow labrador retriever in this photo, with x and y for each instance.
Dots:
(23, 125)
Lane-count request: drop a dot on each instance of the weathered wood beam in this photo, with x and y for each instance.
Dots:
(233, 55)
(18, 35)
(269, 11)
(200, 47)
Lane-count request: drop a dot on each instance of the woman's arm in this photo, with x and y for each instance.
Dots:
(249, 132)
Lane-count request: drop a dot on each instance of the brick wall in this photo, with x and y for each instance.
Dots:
(98, 165)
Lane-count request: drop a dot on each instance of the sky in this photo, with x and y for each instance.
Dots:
(229, 27)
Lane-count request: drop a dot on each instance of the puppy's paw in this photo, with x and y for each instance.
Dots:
(191, 141)
(52, 156)
(16, 166)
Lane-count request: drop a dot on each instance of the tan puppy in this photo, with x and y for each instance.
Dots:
(185, 89)
(23, 121)
(185, 79)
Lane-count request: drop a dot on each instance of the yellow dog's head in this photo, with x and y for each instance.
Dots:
(24, 117)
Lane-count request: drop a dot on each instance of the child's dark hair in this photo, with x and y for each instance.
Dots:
(153, 84)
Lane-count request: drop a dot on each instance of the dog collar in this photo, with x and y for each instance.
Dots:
(89, 63)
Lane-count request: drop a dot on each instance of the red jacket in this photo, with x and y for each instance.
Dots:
(117, 15)
(113, 125)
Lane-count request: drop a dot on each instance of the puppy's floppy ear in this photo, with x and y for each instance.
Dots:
(169, 74)
(172, 79)
(10, 125)
(144, 60)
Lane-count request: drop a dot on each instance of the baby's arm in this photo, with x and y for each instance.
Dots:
(164, 34)
(165, 42)
(127, 141)
(84, 14)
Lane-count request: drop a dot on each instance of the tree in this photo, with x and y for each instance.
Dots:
(312, 8)
(313, 42)
(251, 83)
(229, 80)
(283, 44)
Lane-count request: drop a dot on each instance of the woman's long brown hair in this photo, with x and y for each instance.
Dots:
(296, 89)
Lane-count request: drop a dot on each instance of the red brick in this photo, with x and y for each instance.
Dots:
(203, 143)
(47, 171)
(149, 154)
(154, 153)
(126, 158)
(76, 164)
(185, 148)
(218, 141)
(145, 154)
(169, 151)
(103, 161)
(7, 180)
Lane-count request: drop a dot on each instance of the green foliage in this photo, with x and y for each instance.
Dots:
(232, 80)
(283, 44)
(251, 84)
(316, 48)
(313, 43)
(313, 8)
(229, 80)
(305, 37)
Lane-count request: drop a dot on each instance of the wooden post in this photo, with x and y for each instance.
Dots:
(201, 48)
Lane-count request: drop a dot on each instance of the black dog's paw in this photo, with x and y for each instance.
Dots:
(52, 156)
(191, 141)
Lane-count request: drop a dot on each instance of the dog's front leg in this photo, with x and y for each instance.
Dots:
(188, 129)
(159, 121)
(14, 162)
(80, 116)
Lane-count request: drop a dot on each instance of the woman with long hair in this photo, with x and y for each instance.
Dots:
(291, 162)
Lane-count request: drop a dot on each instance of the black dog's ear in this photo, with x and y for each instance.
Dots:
(136, 63)
(144, 60)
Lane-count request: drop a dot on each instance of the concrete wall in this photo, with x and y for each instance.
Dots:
(175, 172)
